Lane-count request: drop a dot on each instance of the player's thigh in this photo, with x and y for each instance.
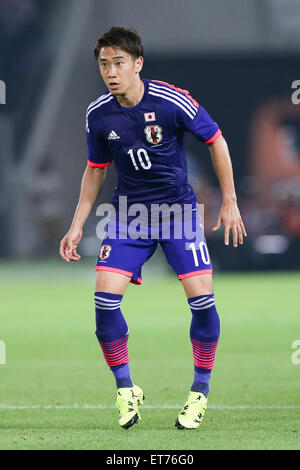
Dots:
(198, 285)
(189, 257)
(113, 283)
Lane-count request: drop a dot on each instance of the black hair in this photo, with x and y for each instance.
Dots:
(126, 39)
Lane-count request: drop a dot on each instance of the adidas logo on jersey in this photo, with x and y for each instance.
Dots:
(113, 136)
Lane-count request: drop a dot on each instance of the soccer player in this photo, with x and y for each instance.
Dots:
(139, 125)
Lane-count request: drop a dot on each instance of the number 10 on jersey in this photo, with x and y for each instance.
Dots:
(142, 157)
(203, 253)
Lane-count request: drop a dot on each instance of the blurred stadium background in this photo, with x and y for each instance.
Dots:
(239, 59)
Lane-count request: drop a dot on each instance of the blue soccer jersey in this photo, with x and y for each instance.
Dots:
(146, 142)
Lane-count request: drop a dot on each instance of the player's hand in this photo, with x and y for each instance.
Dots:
(230, 215)
(68, 245)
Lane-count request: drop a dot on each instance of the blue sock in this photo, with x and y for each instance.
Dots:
(122, 375)
(112, 334)
(204, 333)
(201, 381)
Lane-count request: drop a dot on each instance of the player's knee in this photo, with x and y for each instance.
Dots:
(107, 307)
(205, 325)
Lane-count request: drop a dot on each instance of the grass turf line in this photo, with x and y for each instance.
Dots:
(53, 358)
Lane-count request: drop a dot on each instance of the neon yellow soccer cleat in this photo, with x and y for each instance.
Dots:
(128, 399)
(192, 413)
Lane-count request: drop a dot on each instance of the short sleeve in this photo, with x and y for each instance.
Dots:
(201, 125)
(97, 149)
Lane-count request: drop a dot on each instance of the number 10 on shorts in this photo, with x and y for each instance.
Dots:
(203, 253)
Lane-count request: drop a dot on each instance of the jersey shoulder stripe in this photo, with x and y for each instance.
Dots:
(179, 90)
(178, 97)
(173, 100)
(100, 98)
(97, 104)
(100, 102)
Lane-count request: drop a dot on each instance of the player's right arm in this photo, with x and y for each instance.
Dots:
(91, 184)
(92, 180)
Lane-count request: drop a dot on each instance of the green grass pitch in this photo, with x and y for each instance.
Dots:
(57, 393)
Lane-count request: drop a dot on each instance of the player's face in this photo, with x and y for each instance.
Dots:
(119, 70)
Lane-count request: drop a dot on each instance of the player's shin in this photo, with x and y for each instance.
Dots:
(112, 334)
(204, 333)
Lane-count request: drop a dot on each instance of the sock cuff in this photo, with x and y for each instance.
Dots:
(202, 302)
(108, 295)
(107, 301)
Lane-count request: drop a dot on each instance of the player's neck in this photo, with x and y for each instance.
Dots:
(133, 96)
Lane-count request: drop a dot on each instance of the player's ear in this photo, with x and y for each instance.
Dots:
(139, 62)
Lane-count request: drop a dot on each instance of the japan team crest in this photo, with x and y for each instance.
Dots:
(153, 134)
(104, 252)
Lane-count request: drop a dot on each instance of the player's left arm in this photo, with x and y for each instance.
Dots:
(229, 213)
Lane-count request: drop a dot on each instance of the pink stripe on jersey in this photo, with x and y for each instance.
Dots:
(214, 137)
(120, 271)
(114, 270)
(116, 352)
(185, 92)
(98, 165)
(204, 353)
(194, 273)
